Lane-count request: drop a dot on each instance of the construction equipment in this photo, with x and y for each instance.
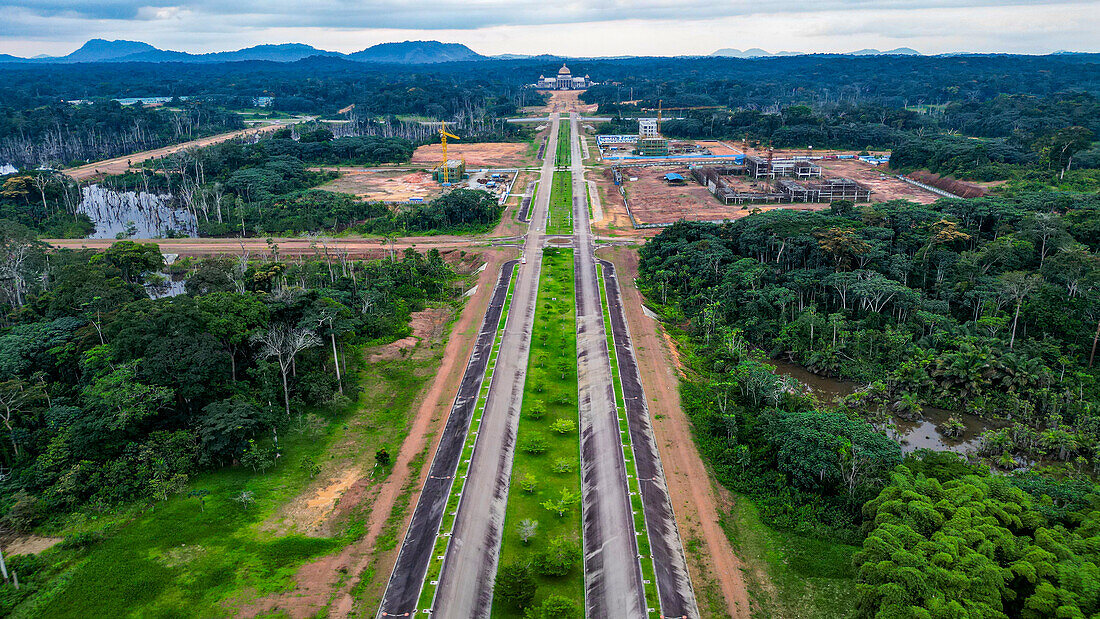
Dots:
(443, 135)
(448, 171)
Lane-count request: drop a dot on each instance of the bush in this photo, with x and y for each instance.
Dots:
(563, 426)
(80, 541)
(537, 410)
(535, 444)
(26, 512)
(565, 465)
(528, 483)
(515, 586)
(555, 607)
(558, 559)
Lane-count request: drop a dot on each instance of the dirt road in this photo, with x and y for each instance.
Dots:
(118, 165)
(355, 247)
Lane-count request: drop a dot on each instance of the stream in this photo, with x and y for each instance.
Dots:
(131, 214)
(912, 435)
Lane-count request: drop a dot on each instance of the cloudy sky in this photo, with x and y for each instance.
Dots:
(576, 28)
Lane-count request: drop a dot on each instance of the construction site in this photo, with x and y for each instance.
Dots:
(653, 176)
(769, 180)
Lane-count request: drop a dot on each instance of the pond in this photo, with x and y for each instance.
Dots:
(912, 435)
(134, 215)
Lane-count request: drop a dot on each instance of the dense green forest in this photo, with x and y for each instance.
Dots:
(44, 202)
(111, 396)
(988, 306)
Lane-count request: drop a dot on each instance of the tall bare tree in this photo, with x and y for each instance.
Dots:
(283, 343)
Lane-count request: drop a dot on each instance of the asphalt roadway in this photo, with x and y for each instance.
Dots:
(408, 573)
(673, 582)
(470, 564)
(613, 574)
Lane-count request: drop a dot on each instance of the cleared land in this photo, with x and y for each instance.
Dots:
(563, 101)
(546, 461)
(386, 185)
(477, 155)
(884, 186)
(654, 201)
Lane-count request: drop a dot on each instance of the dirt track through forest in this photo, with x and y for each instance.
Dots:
(119, 165)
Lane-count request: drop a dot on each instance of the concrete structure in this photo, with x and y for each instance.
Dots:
(563, 81)
(759, 167)
(452, 171)
(651, 147)
(718, 180)
(647, 128)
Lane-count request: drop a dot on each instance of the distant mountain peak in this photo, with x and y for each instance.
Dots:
(98, 50)
(756, 52)
(416, 52)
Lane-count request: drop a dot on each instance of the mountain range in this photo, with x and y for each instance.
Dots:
(407, 52)
(756, 52)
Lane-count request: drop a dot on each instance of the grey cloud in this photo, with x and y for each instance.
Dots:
(455, 14)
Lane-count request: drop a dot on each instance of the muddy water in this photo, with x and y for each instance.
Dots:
(147, 215)
(912, 435)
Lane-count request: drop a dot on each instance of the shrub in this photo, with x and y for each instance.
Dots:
(26, 512)
(526, 529)
(555, 607)
(565, 465)
(558, 559)
(563, 426)
(515, 586)
(537, 410)
(534, 444)
(81, 540)
(529, 484)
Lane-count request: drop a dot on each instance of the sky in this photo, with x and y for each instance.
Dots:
(573, 28)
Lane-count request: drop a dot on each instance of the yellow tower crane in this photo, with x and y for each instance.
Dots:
(444, 170)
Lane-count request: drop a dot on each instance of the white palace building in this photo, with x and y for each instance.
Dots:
(563, 81)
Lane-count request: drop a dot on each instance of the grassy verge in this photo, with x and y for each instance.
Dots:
(550, 389)
(588, 201)
(790, 575)
(446, 526)
(561, 204)
(649, 574)
(186, 558)
(563, 156)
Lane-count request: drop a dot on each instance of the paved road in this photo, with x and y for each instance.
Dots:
(469, 569)
(408, 573)
(613, 576)
(673, 581)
